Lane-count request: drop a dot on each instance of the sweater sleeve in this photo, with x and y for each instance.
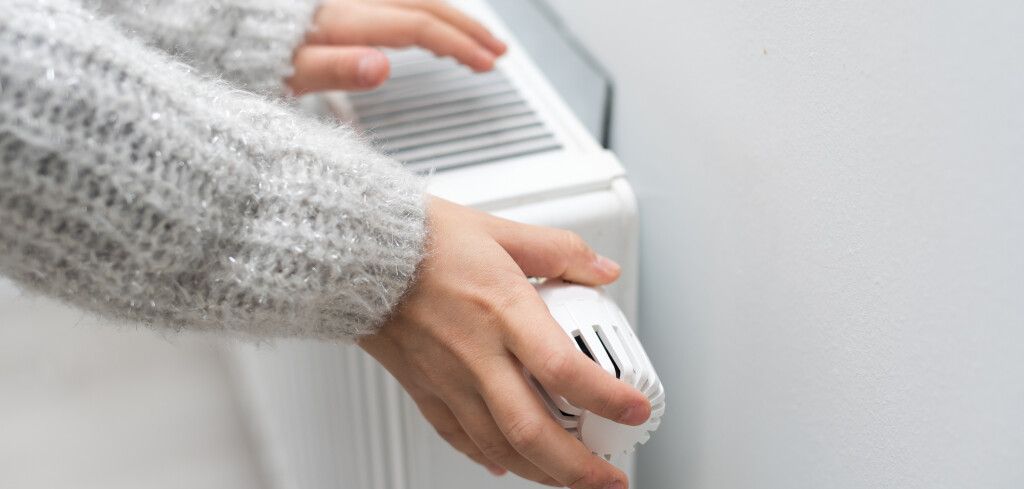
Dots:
(133, 188)
(247, 42)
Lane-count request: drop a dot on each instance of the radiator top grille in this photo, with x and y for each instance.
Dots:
(434, 114)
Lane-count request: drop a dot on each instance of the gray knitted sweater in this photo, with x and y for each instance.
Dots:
(134, 187)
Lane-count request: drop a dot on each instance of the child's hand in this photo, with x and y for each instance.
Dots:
(460, 339)
(338, 53)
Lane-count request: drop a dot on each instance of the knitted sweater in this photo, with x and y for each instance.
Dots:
(131, 187)
(247, 42)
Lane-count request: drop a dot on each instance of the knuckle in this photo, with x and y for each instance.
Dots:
(524, 432)
(575, 244)
(420, 22)
(558, 365)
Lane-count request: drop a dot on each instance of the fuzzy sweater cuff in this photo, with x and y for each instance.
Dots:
(247, 42)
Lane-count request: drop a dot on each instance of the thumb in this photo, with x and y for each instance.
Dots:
(547, 252)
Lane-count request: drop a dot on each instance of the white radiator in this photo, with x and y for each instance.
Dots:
(327, 416)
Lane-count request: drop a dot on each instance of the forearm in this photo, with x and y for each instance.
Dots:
(248, 42)
(131, 188)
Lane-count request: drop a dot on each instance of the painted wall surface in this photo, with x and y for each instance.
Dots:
(832, 199)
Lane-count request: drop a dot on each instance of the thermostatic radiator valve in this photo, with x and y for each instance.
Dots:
(600, 331)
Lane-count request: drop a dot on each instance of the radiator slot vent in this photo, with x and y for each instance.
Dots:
(434, 114)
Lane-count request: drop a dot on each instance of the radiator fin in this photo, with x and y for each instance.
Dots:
(434, 114)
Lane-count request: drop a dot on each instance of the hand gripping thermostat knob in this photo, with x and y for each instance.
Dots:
(599, 329)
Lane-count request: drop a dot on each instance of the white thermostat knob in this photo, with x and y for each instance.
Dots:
(599, 329)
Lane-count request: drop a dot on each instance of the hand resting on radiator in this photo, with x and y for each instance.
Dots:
(337, 54)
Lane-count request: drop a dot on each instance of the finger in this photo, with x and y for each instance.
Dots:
(441, 418)
(434, 410)
(547, 252)
(351, 68)
(361, 24)
(458, 19)
(550, 355)
(477, 421)
(525, 422)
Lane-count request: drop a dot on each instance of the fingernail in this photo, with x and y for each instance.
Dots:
(626, 415)
(495, 469)
(634, 414)
(370, 68)
(614, 485)
(607, 265)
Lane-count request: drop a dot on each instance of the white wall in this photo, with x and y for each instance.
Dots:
(832, 198)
